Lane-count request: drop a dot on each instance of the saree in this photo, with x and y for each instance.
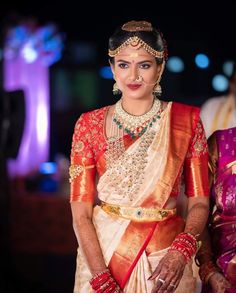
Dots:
(146, 175)
(223, 192)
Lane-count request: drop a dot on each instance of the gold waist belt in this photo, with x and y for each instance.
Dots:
(138, 214)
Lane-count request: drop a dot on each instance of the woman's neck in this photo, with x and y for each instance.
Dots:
(137, 107)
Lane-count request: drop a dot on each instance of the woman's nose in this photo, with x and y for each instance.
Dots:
(134, 74)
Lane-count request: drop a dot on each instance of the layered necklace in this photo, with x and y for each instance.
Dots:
(136, 125)
(126, 169)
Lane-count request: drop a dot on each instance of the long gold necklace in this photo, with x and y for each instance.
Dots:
(115, 144)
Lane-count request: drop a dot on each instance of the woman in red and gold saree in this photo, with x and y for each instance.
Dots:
(132, 239)
(221, 257)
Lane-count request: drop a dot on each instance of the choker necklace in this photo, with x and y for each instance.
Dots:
(136, 125)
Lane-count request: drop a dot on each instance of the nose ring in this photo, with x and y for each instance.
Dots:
(139, 79)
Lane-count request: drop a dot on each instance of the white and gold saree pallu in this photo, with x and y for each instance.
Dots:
(133, 227)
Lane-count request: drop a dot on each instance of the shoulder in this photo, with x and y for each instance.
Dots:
(213, 102)
(185, 110)
(219, 132)
(185, 117)
(92, 117)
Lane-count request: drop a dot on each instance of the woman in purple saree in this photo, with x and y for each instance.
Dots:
(217, 256)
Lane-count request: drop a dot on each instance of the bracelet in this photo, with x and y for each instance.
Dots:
(103, 282)
(99, 279)
(100, 282)
(186, 244)
(99, 274)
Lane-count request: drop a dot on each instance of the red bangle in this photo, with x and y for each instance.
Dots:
(111, 288)
(98, 283)
(186, 256)
(186, 244)
(103, 282)
(99, 274)
(99, 279)
(184, 236)
(111, 282)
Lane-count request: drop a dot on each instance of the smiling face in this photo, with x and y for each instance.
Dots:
(135, 72)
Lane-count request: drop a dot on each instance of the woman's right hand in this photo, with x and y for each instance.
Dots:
(219, 283)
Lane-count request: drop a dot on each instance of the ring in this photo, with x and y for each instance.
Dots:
(172, 285)
(161, 280)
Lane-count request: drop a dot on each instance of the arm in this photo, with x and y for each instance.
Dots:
(209, 272)
(87, 237)
(197, 182)
(171, 267)
(82, 192)
(88, 241)
(89, 245)
(198, 208)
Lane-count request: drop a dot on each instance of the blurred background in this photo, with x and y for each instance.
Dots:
(53, 67)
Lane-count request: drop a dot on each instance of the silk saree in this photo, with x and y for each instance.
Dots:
(222, 147)
(144, 177)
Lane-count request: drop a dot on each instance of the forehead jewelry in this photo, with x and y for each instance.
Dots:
(136, 43)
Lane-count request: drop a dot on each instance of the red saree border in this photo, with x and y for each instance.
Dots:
(130, 249)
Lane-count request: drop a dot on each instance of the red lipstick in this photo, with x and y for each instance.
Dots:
(133, 86)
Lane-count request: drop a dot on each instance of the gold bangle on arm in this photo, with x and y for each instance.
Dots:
(76, 169)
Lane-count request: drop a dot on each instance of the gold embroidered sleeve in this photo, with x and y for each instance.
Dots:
(196, 164)
(82, 170)
(198, 146)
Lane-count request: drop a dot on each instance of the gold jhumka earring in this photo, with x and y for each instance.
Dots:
(157, 91)
(116, 91)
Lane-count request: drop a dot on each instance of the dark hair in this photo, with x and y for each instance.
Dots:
(153, 38)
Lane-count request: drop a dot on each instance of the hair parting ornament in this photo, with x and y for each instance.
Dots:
(135, 41)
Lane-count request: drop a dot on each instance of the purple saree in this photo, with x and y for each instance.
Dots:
(222, 147)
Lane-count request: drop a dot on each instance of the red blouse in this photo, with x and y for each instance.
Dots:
(88, 160)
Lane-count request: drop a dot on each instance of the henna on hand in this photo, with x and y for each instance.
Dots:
(219, 283)
(168, 272)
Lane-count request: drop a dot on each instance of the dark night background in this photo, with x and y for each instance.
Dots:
(47, 261)
(189, 27)
(206, 24)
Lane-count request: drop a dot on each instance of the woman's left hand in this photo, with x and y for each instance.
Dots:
(219, 283)
(168, 272)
